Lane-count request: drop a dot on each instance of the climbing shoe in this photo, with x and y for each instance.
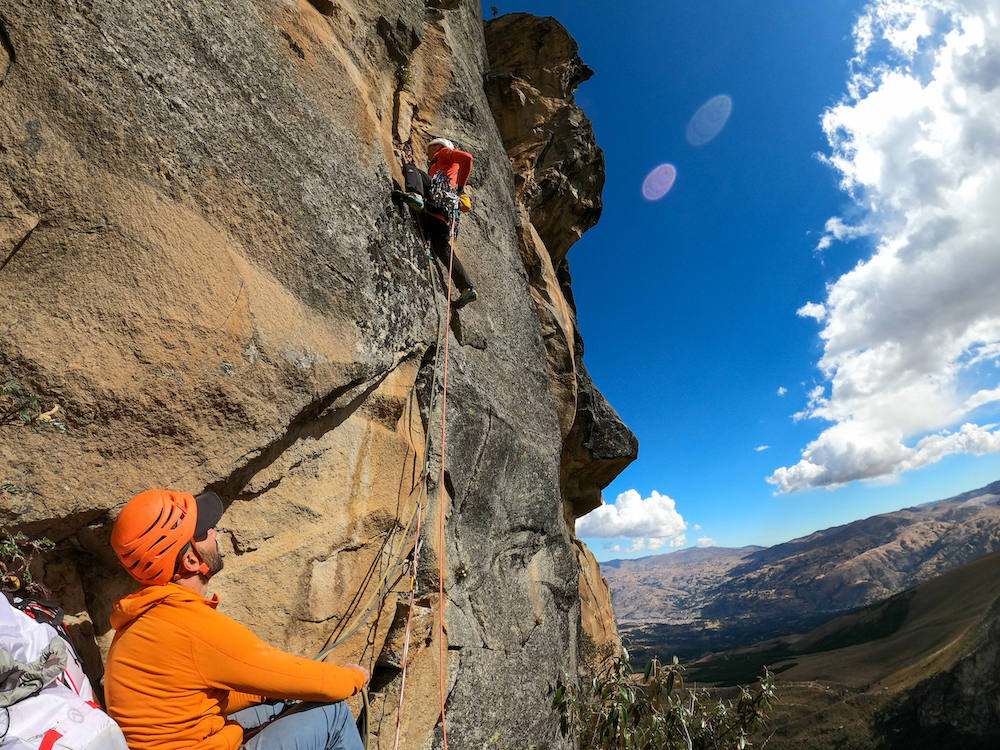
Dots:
(410, 199)
(469, 295)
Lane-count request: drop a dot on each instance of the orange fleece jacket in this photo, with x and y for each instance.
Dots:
(177, 667)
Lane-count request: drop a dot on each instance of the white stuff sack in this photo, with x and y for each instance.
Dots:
(63, 716)
(58, 719)
(25, 639)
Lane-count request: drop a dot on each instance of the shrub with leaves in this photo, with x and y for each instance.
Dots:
(20, 407)
(16, 553)
(654, 711)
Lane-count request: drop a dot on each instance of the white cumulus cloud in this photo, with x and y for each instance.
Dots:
(760, 448)
(706, 541)
(812, 310)
(908, 332)
(782, 390)
(836, 229)
(651, 522)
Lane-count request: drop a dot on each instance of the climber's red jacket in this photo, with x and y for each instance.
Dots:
(454, 163)
(177, 667)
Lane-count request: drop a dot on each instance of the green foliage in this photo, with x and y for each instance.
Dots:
(654, 711)
(20, 407)
(16, 553)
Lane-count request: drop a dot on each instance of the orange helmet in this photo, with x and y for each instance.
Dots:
(150, 532)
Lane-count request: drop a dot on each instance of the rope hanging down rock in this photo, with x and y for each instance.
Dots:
(388, 579)
(442, 554)
(441, 549)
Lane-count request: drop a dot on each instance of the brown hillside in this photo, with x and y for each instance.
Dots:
(852, 678)
(690, 605)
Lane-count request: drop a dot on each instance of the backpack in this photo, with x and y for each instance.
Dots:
(27, 626)
(64, 714)
(58, 719)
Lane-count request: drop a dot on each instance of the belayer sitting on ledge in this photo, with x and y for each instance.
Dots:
(180, 674)
(439, 192)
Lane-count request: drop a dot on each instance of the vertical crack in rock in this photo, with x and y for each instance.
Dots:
(7, 55)
(423, 384)
(400, 38)
(403, 100)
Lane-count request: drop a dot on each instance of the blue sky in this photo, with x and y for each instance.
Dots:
(816, 301)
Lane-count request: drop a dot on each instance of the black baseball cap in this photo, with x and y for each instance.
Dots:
(209, 512)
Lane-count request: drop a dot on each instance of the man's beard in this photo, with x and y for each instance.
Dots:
(213, 560)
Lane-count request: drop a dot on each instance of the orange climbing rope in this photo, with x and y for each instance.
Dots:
(441, 515)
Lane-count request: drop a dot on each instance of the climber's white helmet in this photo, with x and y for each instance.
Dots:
(443, 142)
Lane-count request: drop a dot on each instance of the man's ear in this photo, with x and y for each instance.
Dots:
(188, 563)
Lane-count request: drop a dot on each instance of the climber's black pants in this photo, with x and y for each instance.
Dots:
(436, 229)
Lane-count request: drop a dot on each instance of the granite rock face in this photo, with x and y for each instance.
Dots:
(200, 263)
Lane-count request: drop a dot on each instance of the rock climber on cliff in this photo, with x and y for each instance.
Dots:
(439, 192)
(180, 674)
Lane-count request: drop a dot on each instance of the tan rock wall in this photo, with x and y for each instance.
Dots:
(203, 268)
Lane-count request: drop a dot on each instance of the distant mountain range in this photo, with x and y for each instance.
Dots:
(694, 601)
(920, 670)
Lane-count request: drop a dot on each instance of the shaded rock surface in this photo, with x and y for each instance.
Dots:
(956, 707)
(201, 265)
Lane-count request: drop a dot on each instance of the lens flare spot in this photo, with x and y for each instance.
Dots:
(709, 120)
(658, 182)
